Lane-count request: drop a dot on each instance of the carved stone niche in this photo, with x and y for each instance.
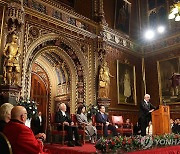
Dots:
(9, 94)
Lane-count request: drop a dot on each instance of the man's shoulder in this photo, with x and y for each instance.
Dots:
(15, 127)
(98, 113)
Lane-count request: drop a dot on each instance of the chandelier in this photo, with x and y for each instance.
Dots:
(175, 11)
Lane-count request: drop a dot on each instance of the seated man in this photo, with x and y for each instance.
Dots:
(62, 117)
(127, 124)
(101, 117)
(20, 136)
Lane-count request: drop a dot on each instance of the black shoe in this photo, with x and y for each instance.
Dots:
(70, 144)
(78, 143)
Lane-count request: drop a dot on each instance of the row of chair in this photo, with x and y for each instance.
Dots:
(122, 128)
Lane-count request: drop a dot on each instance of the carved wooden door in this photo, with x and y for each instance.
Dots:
(39, 94)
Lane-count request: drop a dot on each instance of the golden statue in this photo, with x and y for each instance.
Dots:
(11, 67)
(104, 81)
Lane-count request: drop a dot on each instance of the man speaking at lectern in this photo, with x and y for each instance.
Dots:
(145, 113)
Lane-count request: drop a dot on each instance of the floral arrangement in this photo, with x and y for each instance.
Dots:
(132, 143)
(91, 110)
(30, 107)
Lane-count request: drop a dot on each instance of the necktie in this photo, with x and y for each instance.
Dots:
(103, 115)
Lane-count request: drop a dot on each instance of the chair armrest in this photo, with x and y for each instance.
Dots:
(99, 124)
(82, 125)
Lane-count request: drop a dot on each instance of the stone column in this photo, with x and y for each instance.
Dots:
(12, 36)
(99, 12)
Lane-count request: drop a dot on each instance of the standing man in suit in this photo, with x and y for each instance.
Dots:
(62, 117)
(146, 108)
(101, 117)
(37, 123)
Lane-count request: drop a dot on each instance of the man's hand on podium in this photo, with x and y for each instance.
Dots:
(151, 110)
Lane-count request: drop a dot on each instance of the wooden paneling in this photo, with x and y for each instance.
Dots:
(84, 8)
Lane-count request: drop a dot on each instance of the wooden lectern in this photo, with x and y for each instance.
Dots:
(161, 120)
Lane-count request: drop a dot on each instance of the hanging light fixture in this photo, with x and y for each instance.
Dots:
(175, 11)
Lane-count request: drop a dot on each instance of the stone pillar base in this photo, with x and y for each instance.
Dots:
(9, 94)
(104, 101)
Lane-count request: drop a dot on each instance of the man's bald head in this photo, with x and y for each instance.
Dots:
(19, 113)
(62, 107)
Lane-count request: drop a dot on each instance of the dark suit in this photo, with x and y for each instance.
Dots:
(145, 116)
(2, 125)
(36, 125)
(59, 118)
(103, 119)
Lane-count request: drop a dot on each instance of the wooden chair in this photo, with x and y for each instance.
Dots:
(5, 146)
(123, 128)
(54, 131)
(81, 128)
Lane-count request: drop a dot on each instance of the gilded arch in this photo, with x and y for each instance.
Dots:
(71, 52)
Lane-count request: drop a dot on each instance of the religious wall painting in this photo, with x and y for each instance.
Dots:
(126, 84)
(122, 16)
(169, 80)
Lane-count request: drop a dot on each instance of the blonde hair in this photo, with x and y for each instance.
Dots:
(5, 110)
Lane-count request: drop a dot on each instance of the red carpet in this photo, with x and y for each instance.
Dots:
(59, 149)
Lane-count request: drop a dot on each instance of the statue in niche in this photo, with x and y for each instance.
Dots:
(104, 81)
(11, 66)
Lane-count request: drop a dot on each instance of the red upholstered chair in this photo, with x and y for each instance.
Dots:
(81, 128)
(123, 128)
(54, 131)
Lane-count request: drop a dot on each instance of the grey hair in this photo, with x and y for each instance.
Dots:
(5, 110)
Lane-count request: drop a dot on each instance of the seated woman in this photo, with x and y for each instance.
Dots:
(149, 129)
(82, 119)
(5, 114)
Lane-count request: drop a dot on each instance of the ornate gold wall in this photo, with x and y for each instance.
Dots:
(53, 35)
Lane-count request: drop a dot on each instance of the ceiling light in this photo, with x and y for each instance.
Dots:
(149, 34)
(161, 29)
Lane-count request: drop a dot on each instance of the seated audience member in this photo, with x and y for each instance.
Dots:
(127, 124)
(171, 123)
(82, 119)
(101, 117)
(137, 129)
(5, 114)
(62, 117)
(20, 136)
(37, 123)
(149, 129)
(175, 127)
(178, 128)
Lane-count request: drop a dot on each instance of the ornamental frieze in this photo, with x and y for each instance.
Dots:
(58, 12)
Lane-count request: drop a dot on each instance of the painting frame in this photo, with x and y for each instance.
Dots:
(167, 92)
(126, 83)
(122, 16)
